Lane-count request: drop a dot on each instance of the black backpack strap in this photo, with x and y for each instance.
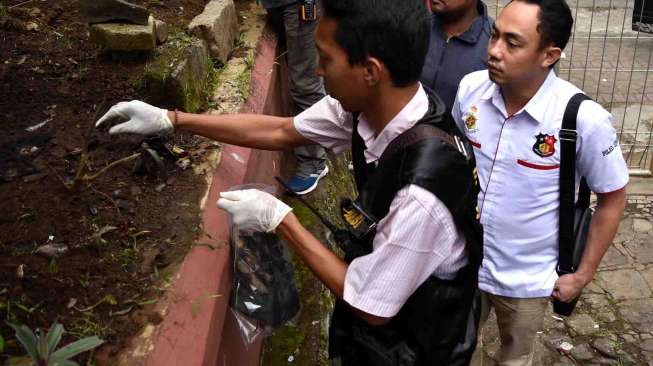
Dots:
(568, 136)
(419, 132)
(362, 170)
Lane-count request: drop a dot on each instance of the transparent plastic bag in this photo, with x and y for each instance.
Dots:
(264, 293)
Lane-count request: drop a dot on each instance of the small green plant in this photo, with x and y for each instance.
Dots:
(41, 348)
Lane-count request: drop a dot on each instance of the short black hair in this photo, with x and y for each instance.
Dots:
(394, 31)
(555, 22)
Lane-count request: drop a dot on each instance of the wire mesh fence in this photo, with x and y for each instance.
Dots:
(609, 57)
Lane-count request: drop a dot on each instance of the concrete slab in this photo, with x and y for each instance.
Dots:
(624, 284)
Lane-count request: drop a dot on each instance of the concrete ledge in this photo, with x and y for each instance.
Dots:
(197, 326)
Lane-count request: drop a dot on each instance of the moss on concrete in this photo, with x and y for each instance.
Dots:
(180, 74)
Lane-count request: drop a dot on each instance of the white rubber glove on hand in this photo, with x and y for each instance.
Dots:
(142, 119)
(253, 210)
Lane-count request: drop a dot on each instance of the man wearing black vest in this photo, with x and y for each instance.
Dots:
(407, 288)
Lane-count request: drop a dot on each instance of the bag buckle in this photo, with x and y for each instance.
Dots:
(562, 272)
(568, 135)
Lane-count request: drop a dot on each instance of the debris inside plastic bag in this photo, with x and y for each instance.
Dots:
(264, 286)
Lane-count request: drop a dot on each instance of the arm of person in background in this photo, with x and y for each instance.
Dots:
(249, 130)
(605, 222)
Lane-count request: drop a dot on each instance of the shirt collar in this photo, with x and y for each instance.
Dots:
(412, 113)
(473, 33)
(536, 106)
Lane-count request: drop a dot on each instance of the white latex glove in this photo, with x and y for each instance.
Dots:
(253, 210)
(142, 119)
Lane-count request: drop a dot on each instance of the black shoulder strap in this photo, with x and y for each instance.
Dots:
(420, 131)
(362, 170)
(568, 136)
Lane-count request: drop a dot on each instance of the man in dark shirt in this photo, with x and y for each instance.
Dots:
(459, 39)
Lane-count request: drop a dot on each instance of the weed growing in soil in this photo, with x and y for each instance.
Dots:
(42, 348)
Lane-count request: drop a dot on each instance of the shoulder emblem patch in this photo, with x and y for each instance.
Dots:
(471, 119)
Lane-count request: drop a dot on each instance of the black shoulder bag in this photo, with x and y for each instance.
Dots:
(574, 218)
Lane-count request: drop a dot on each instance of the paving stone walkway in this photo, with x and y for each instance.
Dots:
(613, 323)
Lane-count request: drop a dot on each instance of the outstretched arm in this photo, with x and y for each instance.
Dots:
(250, 130)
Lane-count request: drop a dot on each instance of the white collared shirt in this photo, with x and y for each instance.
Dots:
(417, 238)
(518, 159)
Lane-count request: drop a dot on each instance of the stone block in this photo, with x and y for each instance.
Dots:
(582, 324)
(124, 37)
(177, 78)
(162, 31)
(218, 26)
(639, 313)
(101, 11)
(624, 284)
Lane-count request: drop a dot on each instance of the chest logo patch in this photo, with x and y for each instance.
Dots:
(544, 145)
(471, 119)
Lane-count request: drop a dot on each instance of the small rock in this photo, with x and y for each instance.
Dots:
(604, 361)
(149, 255)
(605, 347)
(647, 345)
(31, 26)
(628, 338)
(34, 177)
(93, 210)
(125, 205)
(582, 324)
(136, 191)
(52, 250)
(161, 30)
(160, 187)
(183, 163)
(582, 352)
(100, 11)
(642, 226)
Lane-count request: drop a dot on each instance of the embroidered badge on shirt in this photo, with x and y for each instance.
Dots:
(471, 119)
(544, 145)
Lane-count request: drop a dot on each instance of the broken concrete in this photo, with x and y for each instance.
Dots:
(162, 30)
(178, 76)
(218, 26)
(101, 11)
(124, 37)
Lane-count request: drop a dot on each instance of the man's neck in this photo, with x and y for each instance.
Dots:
(517, 95)
(387, 103)
(454, 24)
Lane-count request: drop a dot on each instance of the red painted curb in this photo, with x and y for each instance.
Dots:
(197, 326)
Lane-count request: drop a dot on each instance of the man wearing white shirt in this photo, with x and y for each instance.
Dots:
(407, 288)
(512, 115)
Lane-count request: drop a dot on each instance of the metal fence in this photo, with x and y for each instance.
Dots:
(609, 57)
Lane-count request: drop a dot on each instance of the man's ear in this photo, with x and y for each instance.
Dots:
(551, 56)
(372, 71)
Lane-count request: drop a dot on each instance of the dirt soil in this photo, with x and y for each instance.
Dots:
(123, 232)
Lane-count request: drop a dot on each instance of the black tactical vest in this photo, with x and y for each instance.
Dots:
(437, 325)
